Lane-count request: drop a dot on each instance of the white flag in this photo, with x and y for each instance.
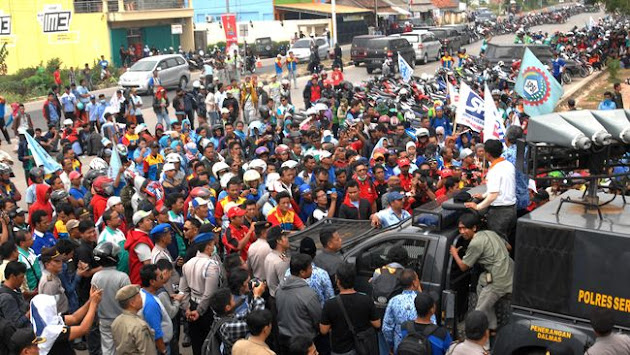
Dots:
(453, 94)
(469, 111)
(493, 127)
(591, 23)
(404, 68)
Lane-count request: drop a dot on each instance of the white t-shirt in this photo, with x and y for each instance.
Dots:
(143, 251)
(502, 179)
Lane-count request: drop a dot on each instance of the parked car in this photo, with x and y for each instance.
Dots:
(424, 43)
(378, 49)
(358, 48)
(302, 48)
(172, 70)
(463, 31)
(449, 37)
(484, 14)
(264, 47)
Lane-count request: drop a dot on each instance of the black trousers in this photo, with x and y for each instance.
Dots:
(502, 220)
(199, 329)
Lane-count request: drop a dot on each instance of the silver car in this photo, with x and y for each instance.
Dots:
(302, 48)
(425, 44)
(172, 70)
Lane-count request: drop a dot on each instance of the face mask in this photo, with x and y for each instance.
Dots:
(102, 101)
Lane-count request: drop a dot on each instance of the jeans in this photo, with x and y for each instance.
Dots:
(292, 76)
(162, 118)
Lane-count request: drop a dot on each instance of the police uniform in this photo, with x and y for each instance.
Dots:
(50, 284)
(132, 335)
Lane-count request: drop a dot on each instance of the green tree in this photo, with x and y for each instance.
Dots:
(619, 6)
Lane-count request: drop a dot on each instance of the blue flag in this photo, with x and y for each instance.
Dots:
(41, 156)
(114, 164)
(539, 89)
(406, 71)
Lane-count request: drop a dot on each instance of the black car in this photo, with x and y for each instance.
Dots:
(463, 31)
(358, 48)
(379, 49)
(450, 38)
(507, 53)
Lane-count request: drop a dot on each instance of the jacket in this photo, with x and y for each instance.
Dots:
(349, 211)
(299, 310)
(134, 238)
(42, 202)
(99, 204)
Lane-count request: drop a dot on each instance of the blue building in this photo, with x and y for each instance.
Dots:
(245, 10)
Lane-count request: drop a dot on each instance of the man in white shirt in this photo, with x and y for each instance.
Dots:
(500, 196)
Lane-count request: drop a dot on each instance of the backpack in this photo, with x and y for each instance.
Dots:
(410, 343)
(7, 328)
(386, 286)
(212, 344)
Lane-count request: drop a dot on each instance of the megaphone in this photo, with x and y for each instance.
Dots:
(585, 122)
(616, 123)
(553, 129)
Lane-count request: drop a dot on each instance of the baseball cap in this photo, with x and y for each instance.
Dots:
(198, 201)
(304, 189)
(50, 254)
(67, 122)
(127, 292)
(446, 173)
(324, 154)
(74, 175)
(235, 212)
(169, 167)
(465, 153)
(404, 162)
(139, 216)
(261, 225)
(291, 164)
(394, 195)
(24, 338)
(72, 224)
(422, 132)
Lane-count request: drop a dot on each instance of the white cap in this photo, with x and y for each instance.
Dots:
(173, 158)
(276, 186)
(67, 122)
(291, 164)
(466, 152)
(324, 154)
(422, 132)
(139, 128)
(169, 167)
(224, 110)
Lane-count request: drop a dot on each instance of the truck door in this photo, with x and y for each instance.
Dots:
(372, 255)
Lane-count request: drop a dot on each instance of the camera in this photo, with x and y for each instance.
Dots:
(255, 282)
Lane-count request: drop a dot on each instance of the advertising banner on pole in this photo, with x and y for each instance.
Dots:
(229, 26)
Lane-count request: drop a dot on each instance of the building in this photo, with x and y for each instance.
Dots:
(208, 11)
(80, 31)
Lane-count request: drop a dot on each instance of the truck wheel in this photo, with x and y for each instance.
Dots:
(356, 64)
(369, 70)
(426, 59)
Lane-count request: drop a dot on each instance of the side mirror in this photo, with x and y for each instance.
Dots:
(158, 68)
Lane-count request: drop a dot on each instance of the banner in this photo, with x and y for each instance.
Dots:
(493, 127)
(470, 109)
(41, 156)
(539, 89)
(591, 23)
(406, 71)
(453, 94)
(229, 26)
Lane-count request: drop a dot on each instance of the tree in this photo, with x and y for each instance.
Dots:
(617, 6)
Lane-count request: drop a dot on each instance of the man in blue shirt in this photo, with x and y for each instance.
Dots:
(558, 67)
(42, 238)
(153, 311)
(83, 94)
(607, 103)
(394, 214)
(68, 102)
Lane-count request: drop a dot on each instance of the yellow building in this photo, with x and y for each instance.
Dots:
(80, 31)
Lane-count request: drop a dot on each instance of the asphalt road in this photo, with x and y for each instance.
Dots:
(351, 73)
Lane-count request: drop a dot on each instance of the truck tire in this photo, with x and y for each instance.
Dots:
(369, 70)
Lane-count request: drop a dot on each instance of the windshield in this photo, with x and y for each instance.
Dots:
(302, 44)
(144, 65)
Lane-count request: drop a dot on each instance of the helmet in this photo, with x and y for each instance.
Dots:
(264, 112)
(282, 148)
(104, 186)
(173, 158)
(262, 150)
(91, 175)
(225, 179)
(251, 175)
(403, 91)
(258, 164)
(383, 119)
(58, 195)
(98, 164)
(196, 84)
(200, 192)
(122, 149)
(500, 63)
(154, 189)
(4, 169)
(218, 167)
(36, 173)
(106, 253)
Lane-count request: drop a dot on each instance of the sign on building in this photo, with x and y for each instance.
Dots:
(5, 25)
(54, 19)
(177, 29)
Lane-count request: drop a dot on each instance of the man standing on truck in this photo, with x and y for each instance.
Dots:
(489, 250)
(500, 196)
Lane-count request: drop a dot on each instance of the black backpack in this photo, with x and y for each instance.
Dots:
(386, 286)
(414, 340)
(212, 343)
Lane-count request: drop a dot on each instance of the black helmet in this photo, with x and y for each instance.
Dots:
(58, 195)
(36, 173)
(106, 254)
(91, 175)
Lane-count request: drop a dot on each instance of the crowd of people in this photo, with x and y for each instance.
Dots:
(180, 235)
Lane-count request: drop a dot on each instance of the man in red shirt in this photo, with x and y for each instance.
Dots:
(367, 190)
(237, 238)
(405, 176)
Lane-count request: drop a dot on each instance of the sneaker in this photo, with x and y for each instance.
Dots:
(186, 341)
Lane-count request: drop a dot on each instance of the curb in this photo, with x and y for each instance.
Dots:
(571, 93)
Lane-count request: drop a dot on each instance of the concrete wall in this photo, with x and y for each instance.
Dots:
(277, 30)
(84, 40)
(245, 10)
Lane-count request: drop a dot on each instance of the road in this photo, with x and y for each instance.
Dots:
(351, 73)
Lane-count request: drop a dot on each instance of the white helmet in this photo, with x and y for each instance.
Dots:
(251, 175)
(218, 167)
(196, 84)
(500, 63)
(258, 164)
(173, 158)
(98, 164)
(122, 149)
(226, 178)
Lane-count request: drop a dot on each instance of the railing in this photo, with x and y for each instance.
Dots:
(142, 5)
(88, 6)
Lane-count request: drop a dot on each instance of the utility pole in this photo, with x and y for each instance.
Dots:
(227, 6)
(333, 4)
(376, 13)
